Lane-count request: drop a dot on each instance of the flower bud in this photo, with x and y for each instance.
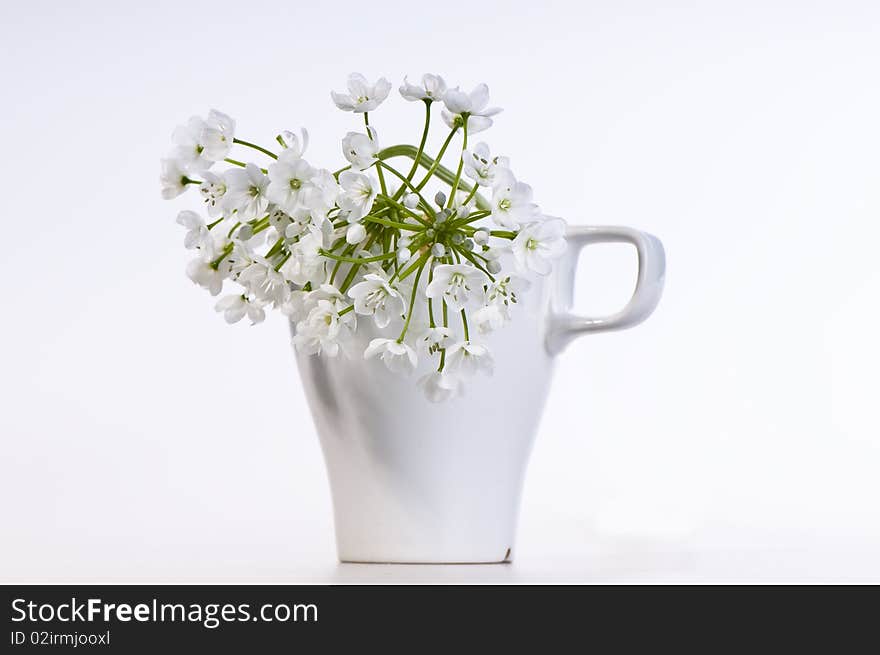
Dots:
(468, 245)
(457, 238)
(494, 266)
(410, 201)
(438, 250)
(440, 198)
(355, 233)
(440, 217)
(403, 242)
(245, 232)
(430, 233)
(403, 255)
(481, 237)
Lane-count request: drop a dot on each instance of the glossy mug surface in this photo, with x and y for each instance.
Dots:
(418, 482)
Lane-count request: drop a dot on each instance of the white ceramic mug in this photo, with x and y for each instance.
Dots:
(417, 482)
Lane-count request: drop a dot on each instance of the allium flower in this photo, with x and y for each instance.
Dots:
(319, 196)
(440, 386)
(294, 143)
(512, 201)
(360, 149)
(212, 189)
(197, 234)
(189, 145)
(538, 244)
(287, 233)
(498, 298)
(377, 298)
(206, 276)
(432, 88)
(359, 190)
(467, 358)
(238, 305)
(474, 104)
(246, 192)
(267, 284)
(398, 357)
(436, 338)
(362, 96)
(305, 261)
(289, 177)
(455, 284)
(319, 331)
(172, 178)
(217, 135)
(480, 166)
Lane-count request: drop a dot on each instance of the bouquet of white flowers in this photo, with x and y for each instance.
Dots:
(426, 266)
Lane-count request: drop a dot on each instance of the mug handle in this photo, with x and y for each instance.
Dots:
(564, 326)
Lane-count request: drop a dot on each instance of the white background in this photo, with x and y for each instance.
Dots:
(732, 437)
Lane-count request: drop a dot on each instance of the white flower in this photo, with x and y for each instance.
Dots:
(480, 166)
(455, 283)
(267, 284)
(359, 190)
(212, 190)
(289, 177)
(467, 358)
(489, 317)
(436, 338)
(362, 96)
(361, 149)
(432, 88)
(305, 260)
(374, 296)
(319, 331)
(239, 259)
(217, 135)
(190, 147)
(236, 306)
(538, 244)
(246, 192)
(294, 143)
(512, 201)
(172, 178)
(197, 233)
(320, 194)
(440, 386)
(474, 104)
(355, 234)
(206, 276)
(398, 357)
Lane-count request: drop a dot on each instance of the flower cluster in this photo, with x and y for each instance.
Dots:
(432, 270)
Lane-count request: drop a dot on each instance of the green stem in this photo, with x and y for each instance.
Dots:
(358, 260)
(406, 184)
(460, 164)
(394, 224)
(403, 209)
(436, 163)
(443, 173)
(378, 170)
(412, 302)
(248, 144)
(421, 150)
(241, 164)
(464, 325)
